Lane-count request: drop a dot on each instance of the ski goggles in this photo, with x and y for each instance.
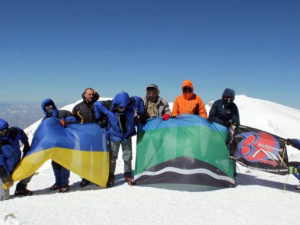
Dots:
(49, 108)
(187, 89)
(3, 132)
(228, 99)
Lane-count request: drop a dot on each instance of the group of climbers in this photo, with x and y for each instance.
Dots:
(119, 116)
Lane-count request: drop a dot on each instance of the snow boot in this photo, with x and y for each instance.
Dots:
(84, 182)
(128, 178)
(111, 180)
(21, 190)
(64, 188)
(55, 187)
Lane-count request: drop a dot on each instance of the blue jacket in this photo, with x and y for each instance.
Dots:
(297, 144)
(121, 125)
(10, 154)
(60, 114)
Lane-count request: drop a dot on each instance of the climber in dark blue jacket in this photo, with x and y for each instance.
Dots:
(61, 174)
(10, 156)
(121, 127)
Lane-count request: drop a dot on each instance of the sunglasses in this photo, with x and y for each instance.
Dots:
(3, 132)
(187, 89)
(151, 89)
(121, 109)
(228, 99)
(49, 107)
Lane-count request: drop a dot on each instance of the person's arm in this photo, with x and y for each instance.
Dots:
(293, 142)
(236, 116)
(167, 108)
(202, 110)
(213, 112)
(175, 110)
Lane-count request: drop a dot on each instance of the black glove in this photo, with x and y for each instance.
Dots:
(143, 119)
(226, 123)
(291, 142)
(95, 97)
(26, 148)
(103, 122)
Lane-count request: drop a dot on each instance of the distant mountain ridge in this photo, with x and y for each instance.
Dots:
(22, 114)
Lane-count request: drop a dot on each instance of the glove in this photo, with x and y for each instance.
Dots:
(63, 122)
(165, 117)
(143, 120)
(8, 182)
(103, 122)
(95, 97)
(136, 120)
(291, 142)
(226, 123)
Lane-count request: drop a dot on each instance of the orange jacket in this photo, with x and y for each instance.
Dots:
(189, 103)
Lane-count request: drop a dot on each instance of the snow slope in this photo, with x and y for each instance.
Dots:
(258, 198)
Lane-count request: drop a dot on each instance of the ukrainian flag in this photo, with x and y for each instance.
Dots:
(81, 148)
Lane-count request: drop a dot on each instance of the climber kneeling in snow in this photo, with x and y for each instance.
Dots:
(10, 156)
(121, 127)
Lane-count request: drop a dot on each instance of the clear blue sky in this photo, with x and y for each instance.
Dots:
(57, 48)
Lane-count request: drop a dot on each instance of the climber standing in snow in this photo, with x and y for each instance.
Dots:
(188, 102)
(224, 111)
(84, 113)
(61, 174)
(155, 106)
(10, 156)
(294, 167)
(121, 119)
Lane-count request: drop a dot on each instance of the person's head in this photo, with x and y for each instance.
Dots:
(228, 96)
(152, 92)
(4, 131)
(88, 95)
(187, 89)
(49, 108)
(121, 101)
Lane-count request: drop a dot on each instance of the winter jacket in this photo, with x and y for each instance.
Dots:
(84, 112)
(161, 105)
(188, 103)
(60, 114)
(10, 153)
(121, 125)
(297, 144)
(222, 111)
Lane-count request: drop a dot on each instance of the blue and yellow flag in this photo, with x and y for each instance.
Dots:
(81, 148)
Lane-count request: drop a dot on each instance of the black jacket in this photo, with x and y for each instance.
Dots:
(84, 112)
(220, 113)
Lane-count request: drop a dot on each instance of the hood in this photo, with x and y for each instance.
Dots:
(228, 93)
(121, 99)
(189, 84)
(4, 125)
(54, 112)
(156, 94)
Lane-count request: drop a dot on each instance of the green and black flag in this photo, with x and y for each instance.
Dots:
(187, 149)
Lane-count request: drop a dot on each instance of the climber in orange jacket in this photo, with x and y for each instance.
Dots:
(188, 102)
